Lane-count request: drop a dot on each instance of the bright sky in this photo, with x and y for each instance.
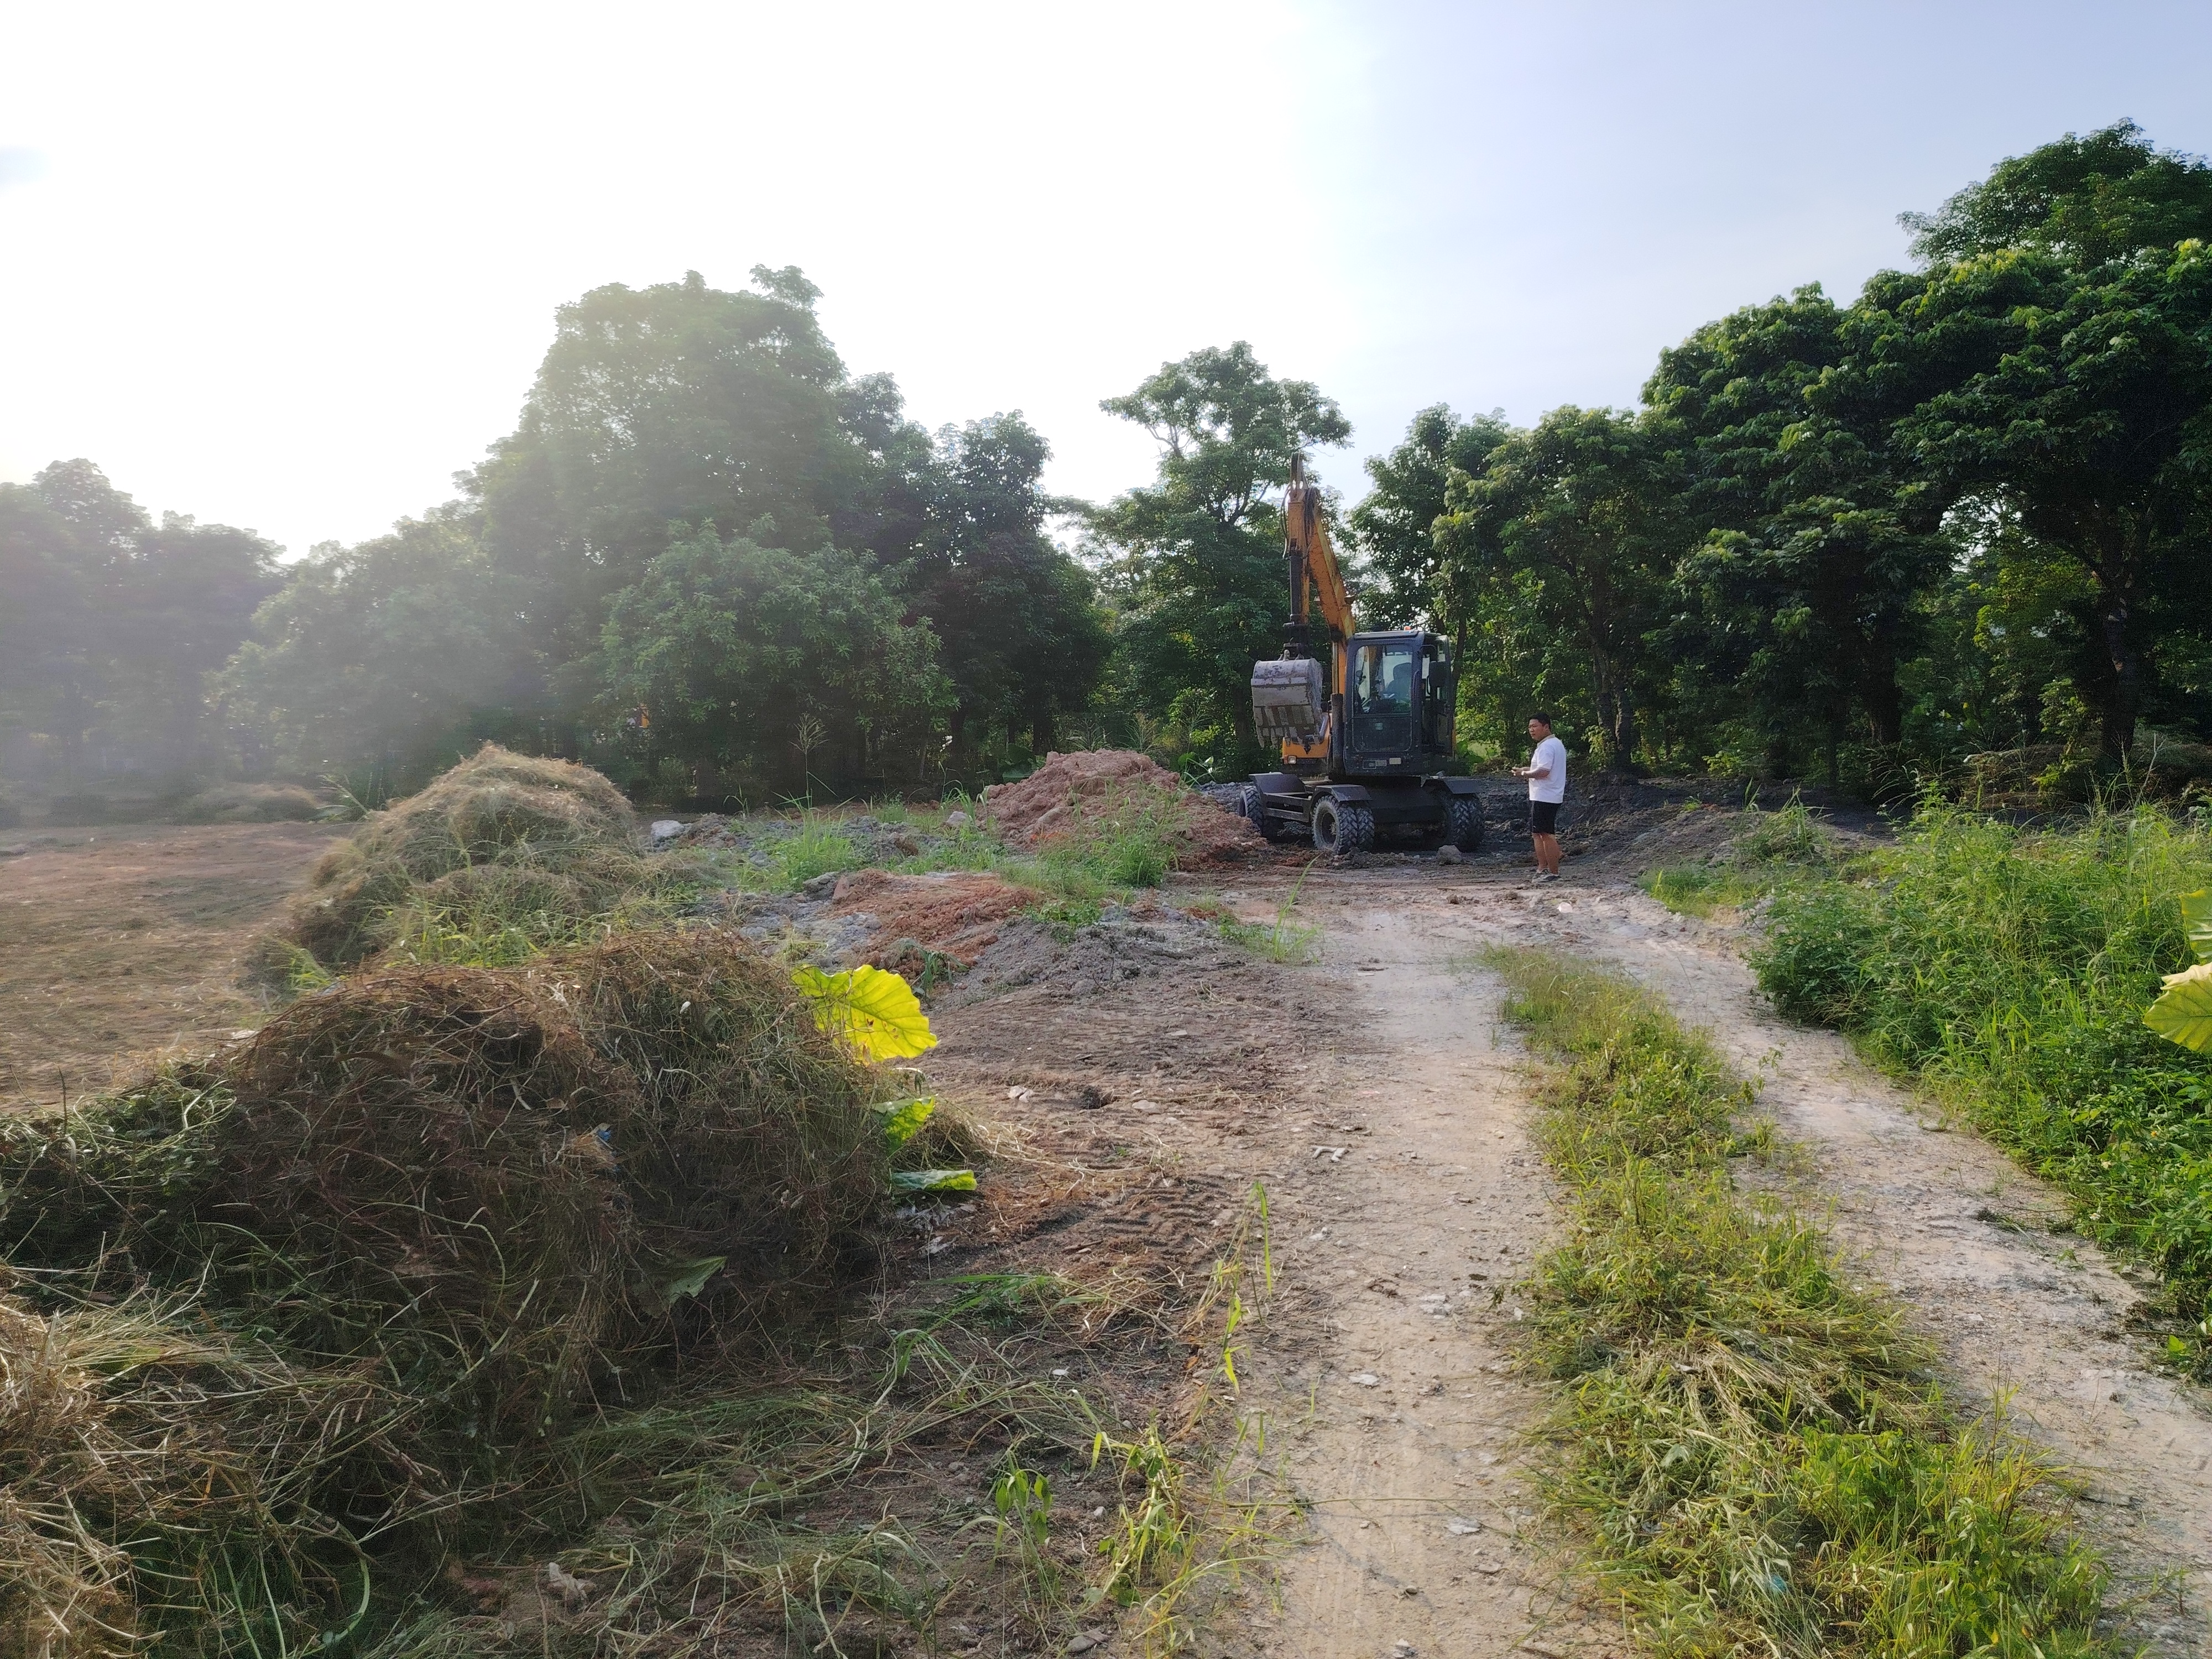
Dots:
(291, 267)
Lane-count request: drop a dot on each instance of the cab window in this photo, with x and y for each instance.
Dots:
(1385, 679)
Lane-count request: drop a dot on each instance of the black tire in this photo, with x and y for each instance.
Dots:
(1463, 823)
(1252, 805)
(1342, 827)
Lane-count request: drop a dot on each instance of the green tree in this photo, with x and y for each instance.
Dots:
(662, 407)
(1570, 531)
(2087, 200)
(1193, 562)
(2079, 406)
(379, 657)
(1023, 639)
(1394, 526)
(782, 665)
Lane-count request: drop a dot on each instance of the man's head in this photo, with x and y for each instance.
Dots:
(1540, 727)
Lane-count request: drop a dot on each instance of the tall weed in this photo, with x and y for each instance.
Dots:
(2009, 969)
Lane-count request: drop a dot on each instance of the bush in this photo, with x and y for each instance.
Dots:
(2011, 969)
(249, 803)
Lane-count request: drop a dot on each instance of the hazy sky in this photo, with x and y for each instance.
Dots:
(291, 267)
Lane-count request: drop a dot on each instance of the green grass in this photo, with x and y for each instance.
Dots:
(2007, 970)
(1753, 1447)
(1773, 851)
(1286, 939)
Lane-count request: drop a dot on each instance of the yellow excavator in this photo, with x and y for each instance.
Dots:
(1365, 720)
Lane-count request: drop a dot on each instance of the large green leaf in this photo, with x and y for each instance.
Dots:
(903, 1118)
(933, 1181)
(691, 1278)
(2196, 922)
(2183, 1012)
(872, 1009)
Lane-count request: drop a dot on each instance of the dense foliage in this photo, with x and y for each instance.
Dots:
(1959, 514)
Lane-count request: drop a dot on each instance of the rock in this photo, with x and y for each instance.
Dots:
(1449, 854)
(958, 819)
(1084, 1641)
(1460, 1526)
(666, 829)
(13, 852)
(821, 886)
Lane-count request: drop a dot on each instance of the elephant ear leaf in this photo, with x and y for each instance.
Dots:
(903, 1118)
(2183, 1012)
(874, 1010)
(2196, 922)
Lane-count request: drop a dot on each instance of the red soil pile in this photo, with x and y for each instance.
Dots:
(1070, 796)
(954, 915)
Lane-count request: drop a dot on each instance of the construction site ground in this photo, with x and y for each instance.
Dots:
(1146, 1078)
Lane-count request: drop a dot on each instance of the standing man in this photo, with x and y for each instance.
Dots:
(1546, 772)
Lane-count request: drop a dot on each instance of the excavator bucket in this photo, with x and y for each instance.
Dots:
(1287, 703)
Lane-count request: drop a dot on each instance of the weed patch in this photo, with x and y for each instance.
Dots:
(2008, 969)
(1775, 851)
(1754, 1450)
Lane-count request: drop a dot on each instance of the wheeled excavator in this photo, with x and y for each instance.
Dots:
(1364, 720)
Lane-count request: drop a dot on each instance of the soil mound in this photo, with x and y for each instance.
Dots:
(504, 1185)
(1075, 797)
(957, 916)
(565, 824)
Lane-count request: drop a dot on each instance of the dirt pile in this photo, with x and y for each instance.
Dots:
(1099, 793)
(496, 832)
(914, 917)
(506, 1186)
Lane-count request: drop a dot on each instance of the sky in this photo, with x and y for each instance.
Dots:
(292, 267)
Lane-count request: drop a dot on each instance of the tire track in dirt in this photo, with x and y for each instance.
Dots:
(1957, 1231)
(1388, 1360)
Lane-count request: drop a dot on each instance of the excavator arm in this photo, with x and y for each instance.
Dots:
(1296, 699)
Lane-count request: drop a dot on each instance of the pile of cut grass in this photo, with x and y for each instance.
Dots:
(501, 843)
(1753, 1448)
(2008, 969)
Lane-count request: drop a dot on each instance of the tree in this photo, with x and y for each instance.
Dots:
(750, 658)
(1798, 600)
(1023, 640)
(2084, 200)
(1193, 562)
(1394, 527)
(113, 624)
(371, 655)
(660, 407)
(1574, 523)
(2080, 406)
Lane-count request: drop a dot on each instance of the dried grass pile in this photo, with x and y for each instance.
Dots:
(156, 1479)
(499, 835)
(249, 803)
(512, 1190)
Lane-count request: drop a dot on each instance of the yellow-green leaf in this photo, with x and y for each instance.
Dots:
(932, 1181)
(2183, 1012)
(903, 1118)
(873, 1010)
(691, 1278)
(2196, 922)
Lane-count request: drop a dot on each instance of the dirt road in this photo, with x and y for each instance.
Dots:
(1439, 1182)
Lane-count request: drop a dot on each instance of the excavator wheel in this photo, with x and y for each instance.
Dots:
(1342, 827)
(1463, 823)
(1252, 806)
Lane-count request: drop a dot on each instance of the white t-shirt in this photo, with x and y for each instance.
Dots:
(1552, 755)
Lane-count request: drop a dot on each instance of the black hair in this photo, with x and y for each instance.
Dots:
(1541, 716)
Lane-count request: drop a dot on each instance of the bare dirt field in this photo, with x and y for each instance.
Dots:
(1146, 1081)
(120, 942)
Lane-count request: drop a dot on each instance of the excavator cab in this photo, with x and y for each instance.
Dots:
(1364, 721)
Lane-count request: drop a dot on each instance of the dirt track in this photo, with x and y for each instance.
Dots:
(1956, 1230)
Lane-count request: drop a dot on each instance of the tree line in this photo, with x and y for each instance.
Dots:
(1967, 511)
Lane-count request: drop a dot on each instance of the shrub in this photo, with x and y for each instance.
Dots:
(249, 803)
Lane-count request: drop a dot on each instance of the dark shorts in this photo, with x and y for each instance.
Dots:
(1543, 817)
